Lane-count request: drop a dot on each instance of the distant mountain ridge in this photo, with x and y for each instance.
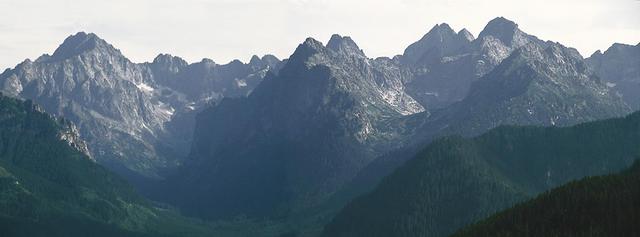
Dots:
(330, 112)
(446, 63)
(136, 117)
(539, 83)
(277, 140)
(321, 112)
(618, 68)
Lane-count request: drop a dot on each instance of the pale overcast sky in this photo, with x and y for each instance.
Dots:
(227, 29)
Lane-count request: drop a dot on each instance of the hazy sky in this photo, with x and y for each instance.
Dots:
(226, 29)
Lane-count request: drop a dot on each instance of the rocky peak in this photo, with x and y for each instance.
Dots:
(464, 34)
(538, 84)
(597, 53)
(502, 29)
(616, 50)
(618, 68)
(498, 40)
(272, 61)
(306, 50)
(311, 43)
(441, 30)
(344, 45)
(234, 67)
(621, 48)
(255, 60)
(553, 56)
(168, 63)
(80, 43)
(169, 59)
(440, 41)
(268, 61)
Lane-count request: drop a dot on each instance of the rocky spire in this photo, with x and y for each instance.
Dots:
(441, 40)
(344, 45)
(466, 35)
(502, 29)
(80, 43)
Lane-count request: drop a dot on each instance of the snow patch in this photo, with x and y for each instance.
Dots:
(241, 83)
(15, 84)
(401, 104)
(552, 120)
(191, 106)
(165, 111)
(145, 87)
(611, 85)
(169, 111)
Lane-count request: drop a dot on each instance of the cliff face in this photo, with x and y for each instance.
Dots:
(618, 68)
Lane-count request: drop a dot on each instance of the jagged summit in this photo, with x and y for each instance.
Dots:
(169, 60)
(168, 64)
(440, 30)
(306, 49)
(255, 59)
(344, 45)
(502, 29)
(269, 57)
(561, 62)
(596, 53)
(269, 61)
(312, 43)
(440, 41)
(614, 47)
(465, 34)
(619, 47)
(618, 68)
(235, 62)
(442, 27)
(79, 43)
(207, 61)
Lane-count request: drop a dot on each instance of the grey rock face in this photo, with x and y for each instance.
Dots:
(288, 135)
(546, 84)
(299, 136)
(124, 110)
(445, 63)
(439, 42)
(330, 111)
(539, 83)
(619, 68)
(71, 135)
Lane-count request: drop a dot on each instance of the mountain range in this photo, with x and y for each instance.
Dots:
(136, 118)
(295, 140)
(306, 133)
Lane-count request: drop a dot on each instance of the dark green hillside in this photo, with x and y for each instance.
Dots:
(595, 206)
(456, 181)
(48, 187)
